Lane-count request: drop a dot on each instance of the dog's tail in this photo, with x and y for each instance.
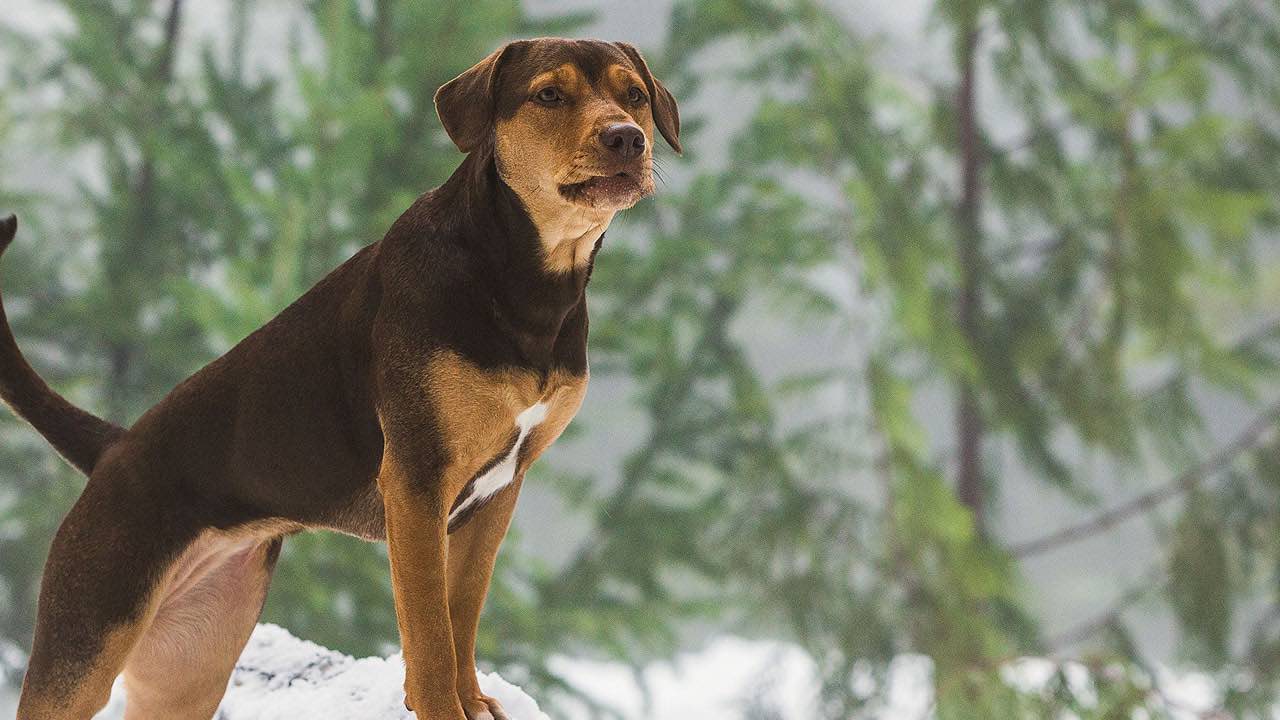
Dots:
(77, 435)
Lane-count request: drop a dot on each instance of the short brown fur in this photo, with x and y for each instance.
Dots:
(370, 406)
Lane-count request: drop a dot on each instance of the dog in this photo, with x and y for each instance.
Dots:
(401, 398)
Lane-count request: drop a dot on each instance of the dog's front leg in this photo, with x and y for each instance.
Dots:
(417, 540)
(473, 548)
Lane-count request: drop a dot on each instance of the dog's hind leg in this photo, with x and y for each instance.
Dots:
(206, 610)
(96, 595)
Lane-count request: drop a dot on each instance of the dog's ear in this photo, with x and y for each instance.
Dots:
(467, 104)
(666, 114)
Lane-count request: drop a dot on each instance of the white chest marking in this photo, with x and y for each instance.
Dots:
(504, 471)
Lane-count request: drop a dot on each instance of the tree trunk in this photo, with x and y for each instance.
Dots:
(122, 353)
(969, 423)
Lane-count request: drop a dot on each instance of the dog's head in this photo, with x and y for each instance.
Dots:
(571, 122)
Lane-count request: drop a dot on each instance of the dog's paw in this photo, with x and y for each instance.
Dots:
(483, 707)
(409, 705)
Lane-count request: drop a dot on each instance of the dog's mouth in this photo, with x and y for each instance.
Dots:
(619, 190)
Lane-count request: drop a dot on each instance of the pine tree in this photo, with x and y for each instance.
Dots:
(1042, 279)
(116, 72)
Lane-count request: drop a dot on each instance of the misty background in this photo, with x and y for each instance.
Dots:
(839, 396)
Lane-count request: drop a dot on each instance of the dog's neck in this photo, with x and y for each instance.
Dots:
(519, 256)
(567, 232)
(549, 238)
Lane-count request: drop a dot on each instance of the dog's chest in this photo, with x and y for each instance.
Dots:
(493, 424)
(499, 471)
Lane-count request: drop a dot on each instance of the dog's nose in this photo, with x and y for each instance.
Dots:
(624, 139)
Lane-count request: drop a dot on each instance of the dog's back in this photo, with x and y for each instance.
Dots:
(283, 425)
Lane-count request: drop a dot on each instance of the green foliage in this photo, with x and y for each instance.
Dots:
(1200, 581)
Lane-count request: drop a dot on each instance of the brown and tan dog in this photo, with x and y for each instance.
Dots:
(403, 397)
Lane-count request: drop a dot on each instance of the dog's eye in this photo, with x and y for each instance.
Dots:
(636, 96)
(549, 95)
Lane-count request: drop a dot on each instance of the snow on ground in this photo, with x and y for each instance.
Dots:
(280, 677)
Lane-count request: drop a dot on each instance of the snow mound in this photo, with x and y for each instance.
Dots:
(280, 677)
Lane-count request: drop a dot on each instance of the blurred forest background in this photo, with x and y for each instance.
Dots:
(956, 330)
